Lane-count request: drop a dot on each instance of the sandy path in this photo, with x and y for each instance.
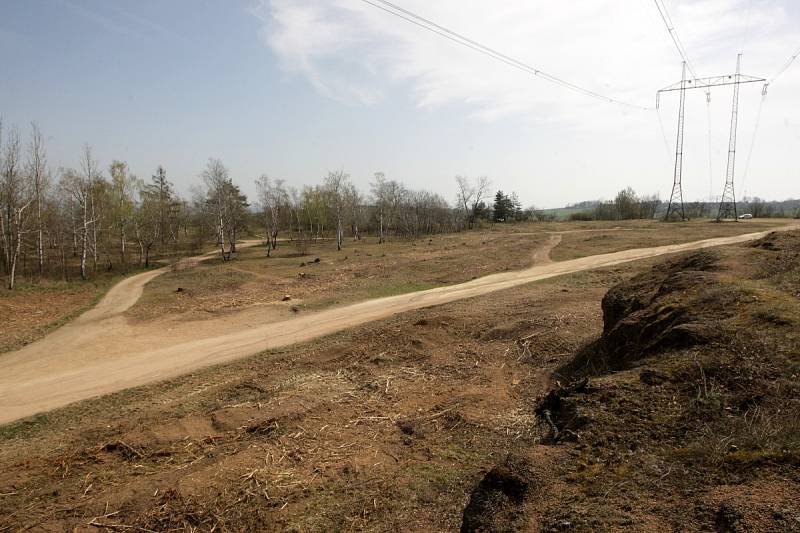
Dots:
(100, 352)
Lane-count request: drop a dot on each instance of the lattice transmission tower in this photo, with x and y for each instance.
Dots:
(675, 206)
(676, 209)
(727, 204)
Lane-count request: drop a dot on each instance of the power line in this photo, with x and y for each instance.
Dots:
(662, 10)
(663, 134)
(785, 66)
(746, 35)
(710, 153)
(458, 38)
(752, 141)
(764, 93)
(673, 33)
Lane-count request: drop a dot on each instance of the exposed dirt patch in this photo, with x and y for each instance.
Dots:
(321, 277)
(428, 420)
(624, 235)
(35, 308)
(383, 428)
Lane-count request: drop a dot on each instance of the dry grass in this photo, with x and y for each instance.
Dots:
(391, 426)
(35, 308)
(384, 428)
(363, 270)
(366, 269)
(646, 233)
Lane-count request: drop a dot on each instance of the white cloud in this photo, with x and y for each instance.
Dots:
(352, 51)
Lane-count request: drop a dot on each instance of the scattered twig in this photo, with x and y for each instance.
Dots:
(119, 526)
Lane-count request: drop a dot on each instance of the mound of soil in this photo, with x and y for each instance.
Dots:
(496, 501)
(689, 418)
(674, 305)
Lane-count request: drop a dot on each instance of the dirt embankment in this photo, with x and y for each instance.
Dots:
(684, 414)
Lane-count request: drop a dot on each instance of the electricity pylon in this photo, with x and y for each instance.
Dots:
(676, 198)
(727, 204)
(675, 207)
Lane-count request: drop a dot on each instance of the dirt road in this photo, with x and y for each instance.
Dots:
(101, 352)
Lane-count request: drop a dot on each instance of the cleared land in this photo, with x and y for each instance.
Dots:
(33, 310)
(103, 352)
(366, 269)
(363, 270)
(407, 422)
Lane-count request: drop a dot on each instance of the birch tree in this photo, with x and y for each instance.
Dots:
(354, 202)
(91, 209)
(378, 189)
(215, 177)
(39, 181)
(15, 199)
(76, 188)
(272, 197)
(235, 211)
(122, 195)
(335, 185)
(388, 196)
(147, 220)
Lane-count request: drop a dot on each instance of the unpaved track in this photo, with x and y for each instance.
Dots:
(100, 352)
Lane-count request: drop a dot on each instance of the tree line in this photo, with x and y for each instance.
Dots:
(81, 217)
(627, 205)
(77, 221)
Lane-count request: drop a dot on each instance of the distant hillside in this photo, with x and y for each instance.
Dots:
(756, 206)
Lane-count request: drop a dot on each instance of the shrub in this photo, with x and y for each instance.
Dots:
(581, 216)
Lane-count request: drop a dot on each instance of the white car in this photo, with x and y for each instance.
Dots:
(745, 216)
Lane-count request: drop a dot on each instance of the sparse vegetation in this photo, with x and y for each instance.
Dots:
(430, 420)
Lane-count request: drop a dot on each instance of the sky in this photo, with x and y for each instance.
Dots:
(295, 88)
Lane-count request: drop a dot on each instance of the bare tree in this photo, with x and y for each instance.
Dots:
(470, 195)
(39, 179)
(379, 192)
(91, 178)
(335, 185)
(464, 195)
(75, 186)
(295, 205)
(216, 178)
(272, 197)
(354, 203)
(123, 189)
(314, 206)
(147, 220)
(388, 196)
(15, 199)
